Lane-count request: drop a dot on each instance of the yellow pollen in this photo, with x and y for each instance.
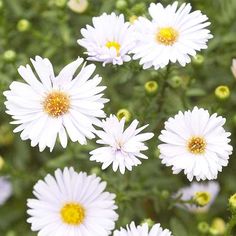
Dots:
(113, 44)
(73, 214)
(202, 198)
(196, 145)
(56, 103)
(167, 36)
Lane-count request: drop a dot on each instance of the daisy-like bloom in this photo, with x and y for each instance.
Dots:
(233, 67)
(5, 189)
(174, 34)
(78, 6)
(196, 143)
(122, 148)
(71, 204)
(47, 106)
(142, 230)
(109, 40)
(203, 193)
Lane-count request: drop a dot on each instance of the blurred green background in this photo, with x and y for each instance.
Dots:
(50, 29)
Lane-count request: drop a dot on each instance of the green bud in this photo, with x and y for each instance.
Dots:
(139, 8)
(165, 194)
(213, 231)
(149, 222)
(203, 227)
(23, 25)
(198, 60)
(222, 92)
(96, 171)
(151, 87)
(202, 198)
(175, 81)
(232, 203)
(60, 3)
(9, 55)
(121, 5)
(124, 113)
(219, 226)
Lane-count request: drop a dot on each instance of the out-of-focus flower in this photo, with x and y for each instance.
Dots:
(175, 81)
(124, 113)
(109, 40)
(218, 226)
(232, 202)
(122, 148)
(151, 87)
(222, 92)
(23, 25)
(60, 3)
(233, 67)
(56, 105)
(78, 6)
(203, 194)
(203, 227)
(173, 35)
(196, 143)
(9, 55)
(198, 60)
(121, 5)
(71, 204)
(1, 162)
(142, 230)
(5, 189)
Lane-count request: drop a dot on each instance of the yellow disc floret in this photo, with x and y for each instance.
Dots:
(167, 36)
(113, 44)
(73, 213)
(56, 103)
(196, 145)
(202, 198)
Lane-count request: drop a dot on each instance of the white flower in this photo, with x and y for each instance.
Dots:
(122, 147)
(172, 35)
(109, 40)
(142, 230)
(195, 142)
(71, 204)
(5, 189)
(78, 6)
(55, 105)
(233, 67)
(210, 189)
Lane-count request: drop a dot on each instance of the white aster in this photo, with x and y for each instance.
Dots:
(142, 230)
(122, 148)
(196, 143)
(109, 40)
(233, 67)
(5, 189)
(71, 204)
(212, 188)
(172, 35)
(48, 106)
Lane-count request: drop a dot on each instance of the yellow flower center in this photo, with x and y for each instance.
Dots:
(202, 198)
(167, 36)
(196, 145)
(56, 103)
(73, 213)
(113, 44)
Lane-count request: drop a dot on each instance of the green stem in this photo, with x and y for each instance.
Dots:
(230, 225)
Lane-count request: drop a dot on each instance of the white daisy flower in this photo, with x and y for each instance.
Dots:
(122, 147)
(109, 40)
(72, 204)
(142, 230)
(172, 35)
(205, 193)
(5, 189)
(196, 143)
(54, 106)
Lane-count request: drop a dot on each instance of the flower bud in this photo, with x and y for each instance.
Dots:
(233, 67)
(124, 113)
(1, 162)
(149, 222)
(151, 87)
(203, 227)
(202, 198)
(96, 171)
(165, 194)
(60, 3)
(132, 19)
(232, 203)
(198, 60)
(175, 81)
(139, 8)
(222, 92)
(78, 6)
(121, 5)
(219, 226)
(23, 25)
(9, 55)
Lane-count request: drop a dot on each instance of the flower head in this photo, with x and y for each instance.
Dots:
(78, 6)
(71, 204)
(142, 230)
(54, 106)
(5, 189)
(122, 148)
(174, 34)
(109, 40)
(196, 143)
(203, 194)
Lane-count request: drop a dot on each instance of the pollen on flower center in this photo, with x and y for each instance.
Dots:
(196, 145)
(56, 103)
(73, 213)
(113, 44)
(167, 36)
